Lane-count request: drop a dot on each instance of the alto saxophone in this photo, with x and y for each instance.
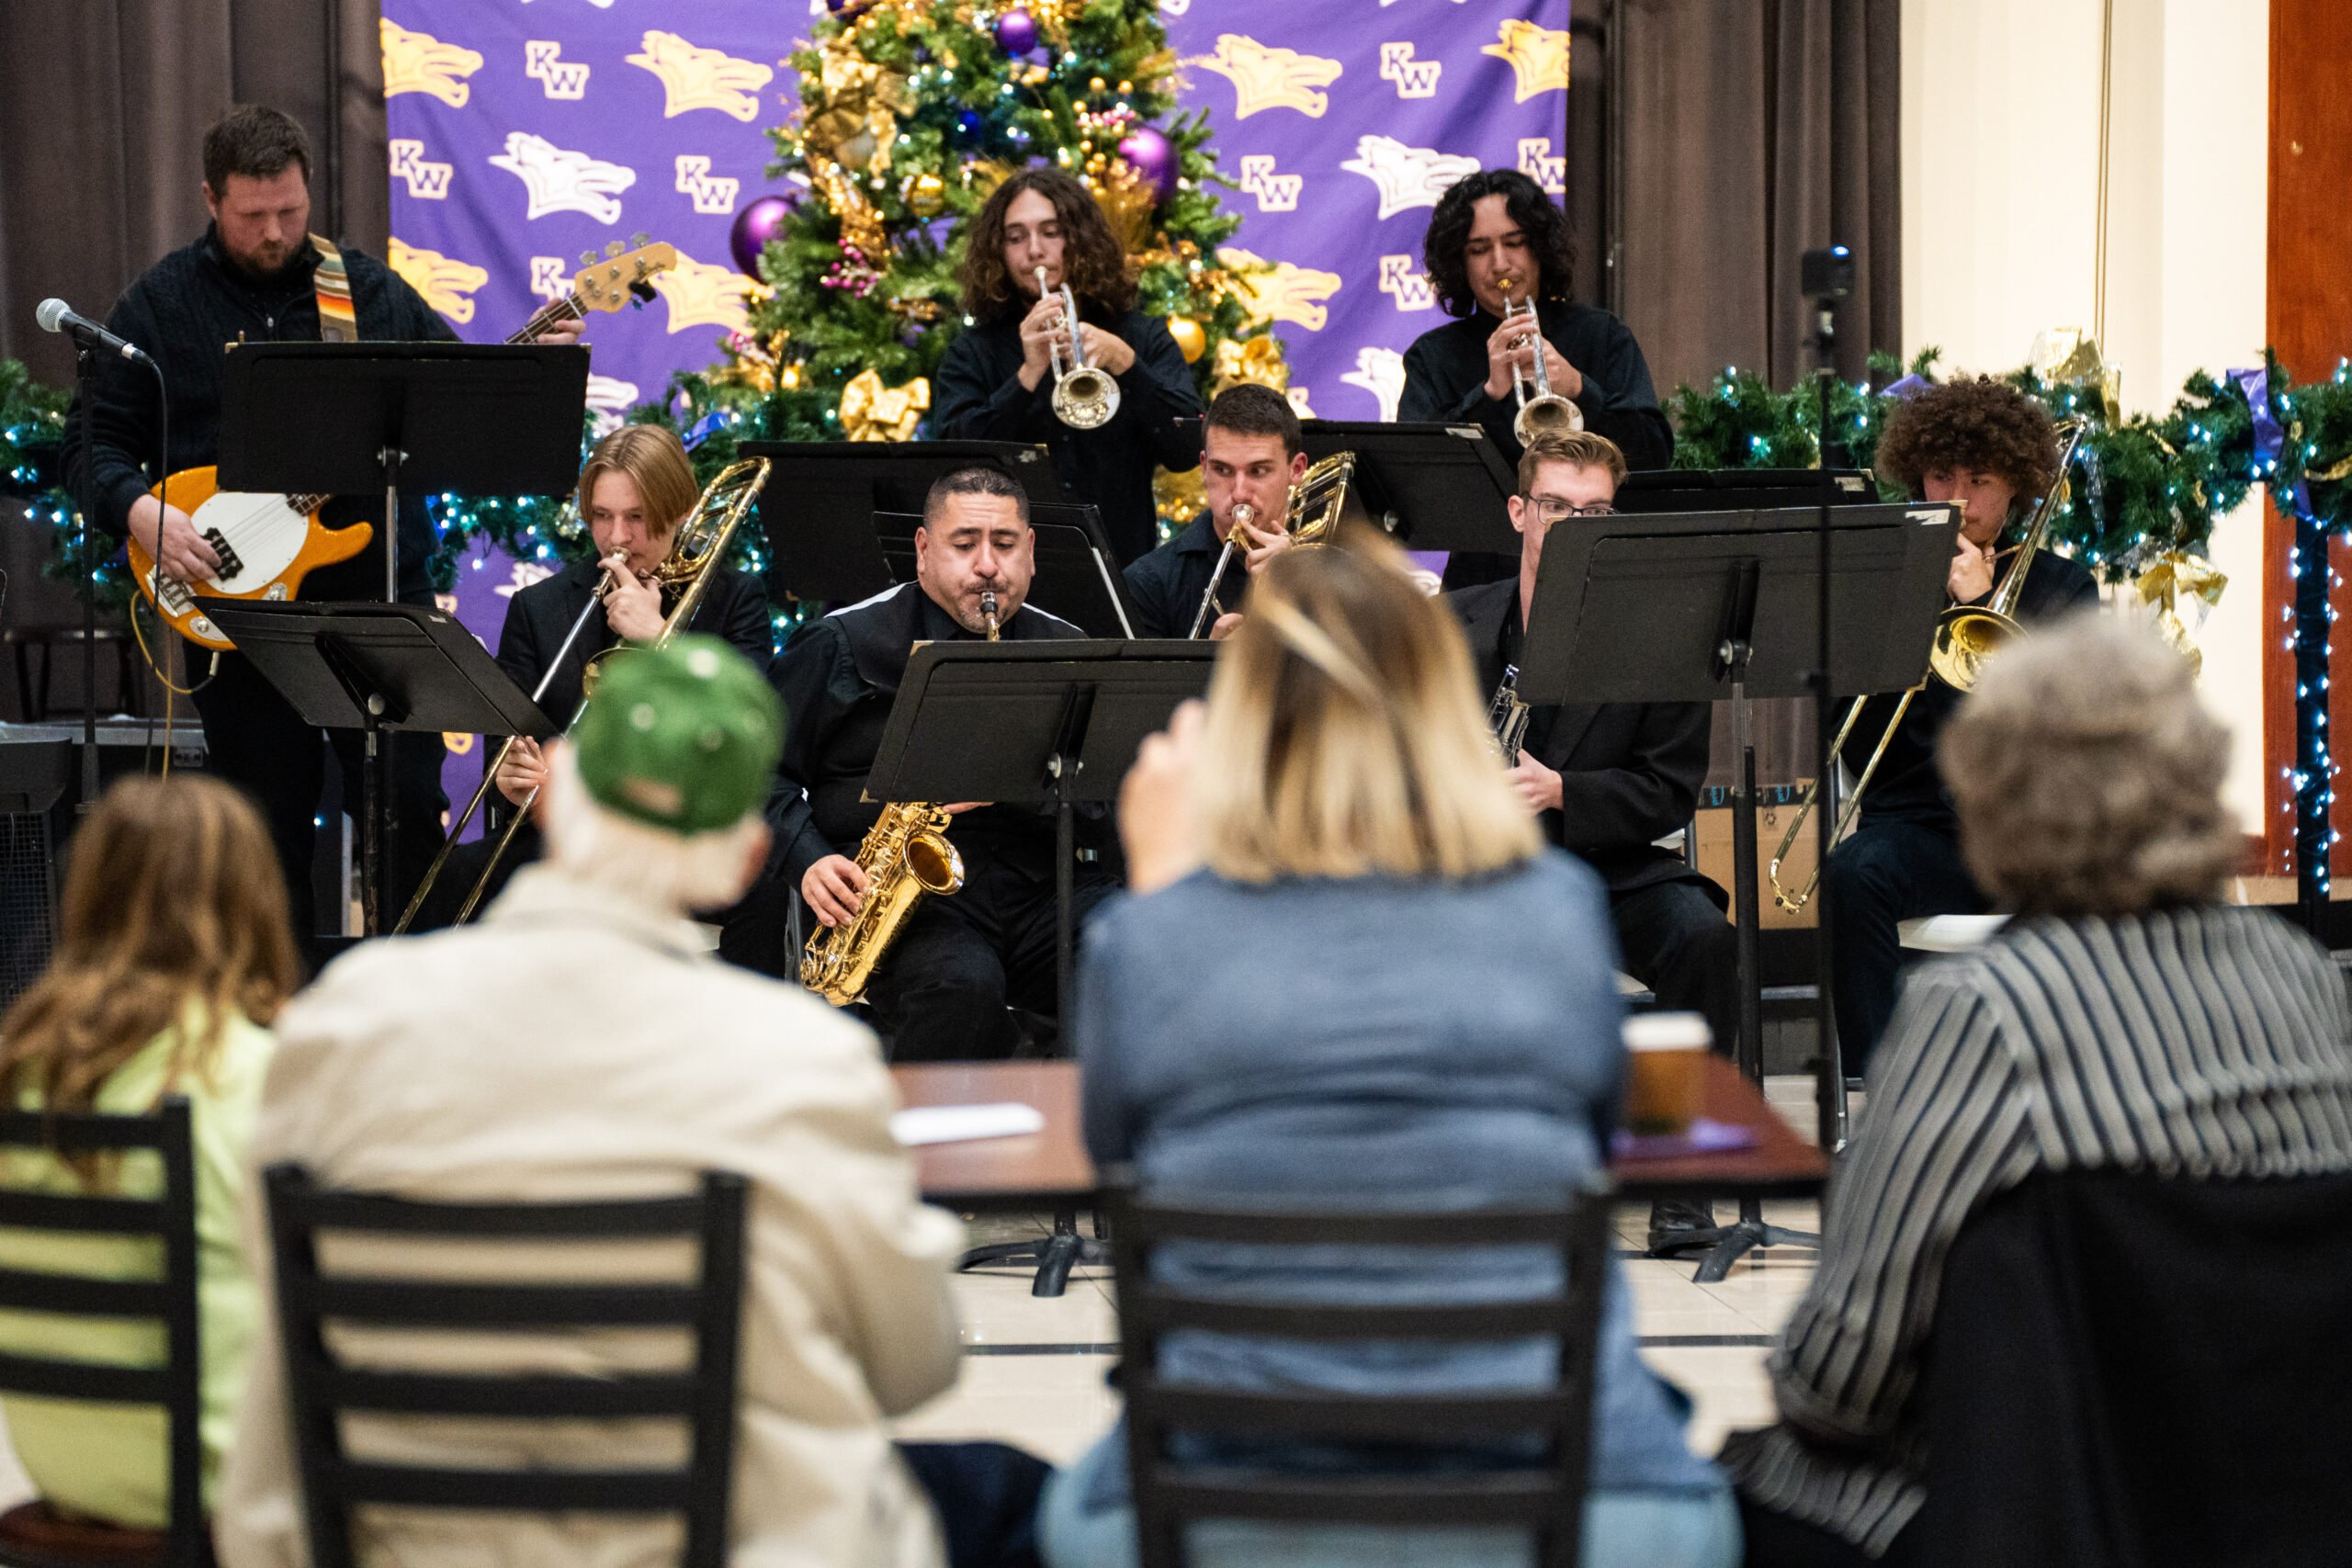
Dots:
(905, 855)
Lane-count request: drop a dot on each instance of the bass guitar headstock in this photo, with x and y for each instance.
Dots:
(612, 280)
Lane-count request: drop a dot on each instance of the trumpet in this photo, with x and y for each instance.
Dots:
(1310, 518)
(1085, 395)
(699, 547)
(1966, 635)
(1544, 413)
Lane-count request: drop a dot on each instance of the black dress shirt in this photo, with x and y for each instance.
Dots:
(1446, 379)
(980, 399)
(1630, 773)
(181, 310)
(1164, 588)
(839, 677)
(1906, 787)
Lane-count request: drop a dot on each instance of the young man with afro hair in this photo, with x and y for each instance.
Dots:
(1994, 450)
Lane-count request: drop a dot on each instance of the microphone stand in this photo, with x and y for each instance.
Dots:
(1829, 1085)
(86, 383)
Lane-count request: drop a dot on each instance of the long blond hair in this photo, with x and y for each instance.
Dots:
(1345, 734)
(655, 460)
(173, 897)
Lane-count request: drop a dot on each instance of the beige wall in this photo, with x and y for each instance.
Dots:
(2000, 149)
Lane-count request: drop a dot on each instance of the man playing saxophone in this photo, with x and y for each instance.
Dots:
(940, 991)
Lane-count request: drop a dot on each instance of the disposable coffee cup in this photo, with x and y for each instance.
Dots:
(1668, 1082)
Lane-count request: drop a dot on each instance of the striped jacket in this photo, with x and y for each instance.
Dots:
(2213, 1042)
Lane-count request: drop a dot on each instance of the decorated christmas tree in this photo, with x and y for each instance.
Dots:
(911, 112)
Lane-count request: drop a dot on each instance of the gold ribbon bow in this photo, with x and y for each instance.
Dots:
(1258, 359)
(2173, 576)
(2067, 357)
(872, 412)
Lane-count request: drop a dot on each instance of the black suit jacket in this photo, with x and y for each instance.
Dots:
(734, 607)
(1630, 773)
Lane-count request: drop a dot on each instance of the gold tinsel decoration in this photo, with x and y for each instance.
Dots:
(871, 412)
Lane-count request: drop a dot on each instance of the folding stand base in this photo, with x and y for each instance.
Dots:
(1055, 1255)
(1725, 1245)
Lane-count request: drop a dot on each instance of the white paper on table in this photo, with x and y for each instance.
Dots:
(956, 1123)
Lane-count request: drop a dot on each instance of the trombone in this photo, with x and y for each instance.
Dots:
(1085, 395)
(699, 547)
(1966, 635)
(1544, 413)
(1310, 518)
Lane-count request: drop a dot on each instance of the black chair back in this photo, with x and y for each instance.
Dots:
(1545, 1495)
(170, 1217)
(320, 1389)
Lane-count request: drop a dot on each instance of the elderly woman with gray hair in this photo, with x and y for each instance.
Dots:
(2125, 1018)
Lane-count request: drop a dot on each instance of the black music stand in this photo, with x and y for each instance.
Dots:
(1743, 490)
(1077, 577)
(1034, 723)
(1708, 606)
(378, 667)
(818, 504)
(1429, 487)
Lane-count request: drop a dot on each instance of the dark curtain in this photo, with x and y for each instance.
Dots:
(103, 105)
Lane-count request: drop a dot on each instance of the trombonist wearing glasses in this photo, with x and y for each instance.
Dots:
(1607, 780)
(1109, 394)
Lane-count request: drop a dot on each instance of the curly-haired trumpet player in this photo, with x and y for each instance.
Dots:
(996, 382)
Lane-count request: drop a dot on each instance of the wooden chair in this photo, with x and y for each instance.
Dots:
(320, 1390)
(33, 1535)
(1544, 1496)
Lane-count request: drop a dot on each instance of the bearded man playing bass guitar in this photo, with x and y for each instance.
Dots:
(258, 275)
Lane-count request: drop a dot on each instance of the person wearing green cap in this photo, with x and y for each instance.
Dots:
(942, 991)
(579, 1042)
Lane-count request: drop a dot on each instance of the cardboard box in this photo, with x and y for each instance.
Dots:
(1773, 819)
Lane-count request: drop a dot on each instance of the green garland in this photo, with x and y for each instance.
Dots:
(2144, 487)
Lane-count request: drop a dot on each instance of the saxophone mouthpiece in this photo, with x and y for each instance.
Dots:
(987, 614)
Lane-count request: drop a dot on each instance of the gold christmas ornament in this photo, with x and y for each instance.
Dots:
(1256, 359)
(925, 195)
(1191, 338)
(871, 412)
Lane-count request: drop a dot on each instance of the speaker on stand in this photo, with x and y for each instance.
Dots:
(34, 775)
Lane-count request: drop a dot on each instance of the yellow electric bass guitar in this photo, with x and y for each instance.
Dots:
(267, 543)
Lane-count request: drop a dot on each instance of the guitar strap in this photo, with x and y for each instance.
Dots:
(338, 322)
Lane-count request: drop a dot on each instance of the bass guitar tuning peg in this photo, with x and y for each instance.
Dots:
(587, 258)
(638, 241)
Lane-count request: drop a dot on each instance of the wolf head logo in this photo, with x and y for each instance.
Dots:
(611, 398)
(419, 62)
(701, 294)
(1407, 176)
(443, 281)
(1539, 56)
(1268, 78)
(564, 182)
(1381, 372)
(1282, 291)
(703, 78)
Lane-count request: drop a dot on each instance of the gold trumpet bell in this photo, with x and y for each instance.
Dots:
(1549, 414)
(1085, 398)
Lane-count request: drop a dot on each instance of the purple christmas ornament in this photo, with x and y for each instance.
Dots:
(1151, 155)
(754, 225)
(1016, 32)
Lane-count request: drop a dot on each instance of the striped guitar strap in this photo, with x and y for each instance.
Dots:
(338, 322)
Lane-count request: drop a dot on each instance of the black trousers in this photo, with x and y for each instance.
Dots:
(254, 739)
(1672, 937)
(1884, 873)
(942, 991)
(1776, 1540)
(986, 1494)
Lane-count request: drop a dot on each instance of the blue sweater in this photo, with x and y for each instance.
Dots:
(1382, 1042)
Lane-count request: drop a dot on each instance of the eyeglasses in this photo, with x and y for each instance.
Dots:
(1551, 509)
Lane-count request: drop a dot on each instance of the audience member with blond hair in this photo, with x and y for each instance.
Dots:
(172, 958)
(2124, 1019)
(1337, 791)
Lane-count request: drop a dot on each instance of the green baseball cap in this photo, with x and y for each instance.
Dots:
(684, 737)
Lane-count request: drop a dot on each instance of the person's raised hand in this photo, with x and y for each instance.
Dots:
(1156, 803)
(181, 550)
(1261, 546)
(835, 888)
(1041, 331)
(1538, 785)
(1971, 572)
(961, 806)
(562, 331)
(633, 608)
(523, 771)
(1107, 349)
(1225, 625)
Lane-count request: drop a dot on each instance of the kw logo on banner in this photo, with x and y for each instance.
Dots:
(1414, 78)
(702, 294)
(713, 194)
(1410, 289)
(550, 277)
(1407, 176)
(560, 181)
(1381, 372)
(1288, 293)
(543, 59)
(444, 281)
(426, 182)
(1535, 161)
(696, 78)
(1276, 193)
(1267, 78)
(1538, 55)
(419, 62)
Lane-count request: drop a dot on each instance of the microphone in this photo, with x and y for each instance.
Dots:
(56, 315)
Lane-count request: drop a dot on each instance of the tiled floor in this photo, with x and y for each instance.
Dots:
(1034, 1374)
